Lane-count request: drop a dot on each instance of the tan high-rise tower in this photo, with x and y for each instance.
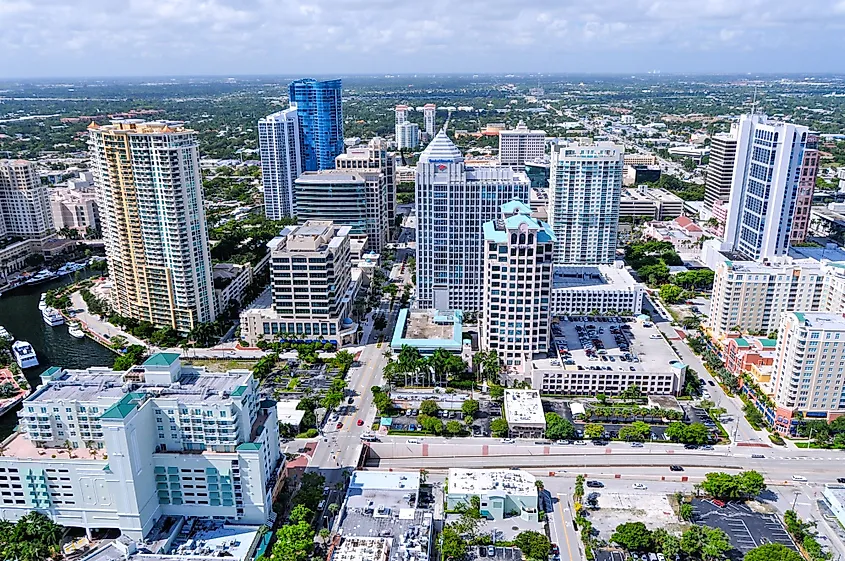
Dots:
(149, 190)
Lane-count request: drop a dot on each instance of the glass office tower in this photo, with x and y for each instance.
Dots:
(320, 113)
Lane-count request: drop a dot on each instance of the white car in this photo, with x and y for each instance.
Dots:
(640, 486)
(508, 441)
(799, 478)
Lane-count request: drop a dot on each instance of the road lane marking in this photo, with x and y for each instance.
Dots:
(565, 532)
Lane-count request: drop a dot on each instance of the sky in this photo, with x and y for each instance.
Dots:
(57, 38)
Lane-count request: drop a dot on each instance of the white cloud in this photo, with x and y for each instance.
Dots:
(101, 37)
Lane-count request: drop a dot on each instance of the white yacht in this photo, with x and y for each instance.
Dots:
(4, 333)
(52, 317)
(75, 330)
(42, 303)
(24, 354)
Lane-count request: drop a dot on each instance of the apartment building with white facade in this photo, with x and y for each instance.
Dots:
(429, 114)
(24, 202)
(808, 370)
(520, 145)
(584, 192)
(377, 165)
(311, 288)
(764, 186)
(149, 193)
(454, 200)
(282, 161)
(407, 135)
(595, 290)
(103, 449)
(516, 307)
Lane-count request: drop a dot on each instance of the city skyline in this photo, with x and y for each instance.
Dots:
(326, 36)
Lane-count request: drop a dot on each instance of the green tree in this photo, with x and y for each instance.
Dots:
(633, 536)
(666, 543)
(452, 545)
(594, 431)
(636, 431)
(499, 427)
(686, 511)
(301, 513)
(750, 483)
(429, 407)
(772, 552)
(632, 393)
(558, 428)
(293, 542)
(454, 428)
(379, 322)
(533, 545)
(670, 293)
(496, 391)
(431, 424)
(470, 408)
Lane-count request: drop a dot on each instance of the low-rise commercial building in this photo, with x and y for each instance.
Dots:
(682, 233)
(502, 492)
(428, 330)
(524, 413)
(834, 497)
(76, 210)
(111, 449)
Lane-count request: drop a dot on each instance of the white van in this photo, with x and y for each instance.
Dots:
(413, 441)
(799, 478)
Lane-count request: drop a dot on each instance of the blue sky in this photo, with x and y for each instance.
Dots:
(229, 37)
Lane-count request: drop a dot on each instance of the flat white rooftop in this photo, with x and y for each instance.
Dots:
(524, 407)
(383, 480)
(491, 481)
(822, 320)
(594, 277)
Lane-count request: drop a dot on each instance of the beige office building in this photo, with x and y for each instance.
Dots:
(24, 202)
(149, 191)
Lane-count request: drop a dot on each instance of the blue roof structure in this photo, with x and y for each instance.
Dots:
(514, 214)
(429, 320)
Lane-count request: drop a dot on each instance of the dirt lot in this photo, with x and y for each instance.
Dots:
(616, 508)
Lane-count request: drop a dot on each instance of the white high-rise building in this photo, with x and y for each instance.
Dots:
(516, 310)
(24, 201)
(429, 113)
(453, 202)
(401, 114)
(100, 449)
(764, 187)
(407, 135)
(521, 145)
(808, 368)
(280, 148)
(149, 193)
(584, 192)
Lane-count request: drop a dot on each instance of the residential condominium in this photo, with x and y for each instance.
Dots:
(149, 193)
(808, 371)
(311, 288)
(806, 189)
(100, 449)
(720, 168)
(429, 113)
(24, 202)
(521, 145)
(407, 135)
(281, 149)
(753, 296)
(584, 192)
(453, 202)
(376, 164)
(346, 197)
(764, 187)
(320, 112)
(518, 251)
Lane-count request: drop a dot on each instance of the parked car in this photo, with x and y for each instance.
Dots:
(339, 426)
(640, 486)
(360, 422)
(595, 484)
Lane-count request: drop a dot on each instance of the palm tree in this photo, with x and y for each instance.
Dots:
(334, 508)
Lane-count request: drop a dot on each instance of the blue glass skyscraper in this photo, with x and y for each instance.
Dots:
(320, 113)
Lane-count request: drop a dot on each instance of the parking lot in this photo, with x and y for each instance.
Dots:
(408, 419)
(746, 528)
(610, 344)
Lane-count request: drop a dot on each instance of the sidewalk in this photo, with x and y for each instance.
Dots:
(102, 330)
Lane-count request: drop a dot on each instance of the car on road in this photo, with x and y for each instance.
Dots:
(691, 446)
(360, 422)
(758, 456)
(711, 382)
(706, 447)
(580, 443)
(508, 441)
(554, 549)
(595, 484)
(636, 445)
(350, 401)
(640, 486)
(799, 478)
(676, 468)
(339, 426)
(840, 479)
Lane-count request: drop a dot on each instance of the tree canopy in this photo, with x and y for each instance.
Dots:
(772, 552)
(633, 536)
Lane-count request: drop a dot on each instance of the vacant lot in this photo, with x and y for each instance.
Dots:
(616, 508)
